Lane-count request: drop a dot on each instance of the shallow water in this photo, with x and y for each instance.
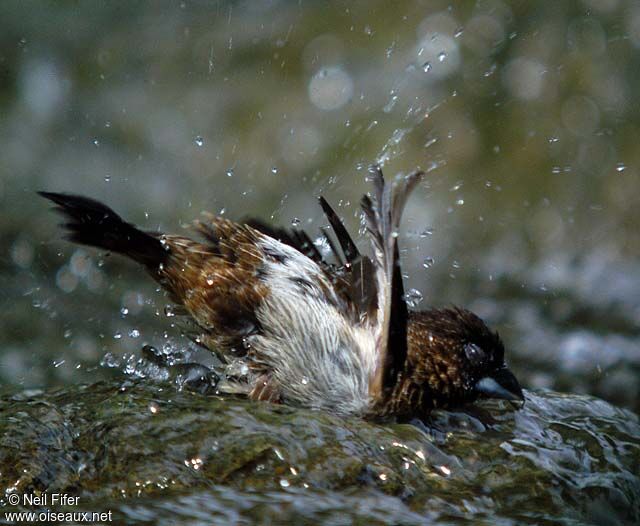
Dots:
(151, 454)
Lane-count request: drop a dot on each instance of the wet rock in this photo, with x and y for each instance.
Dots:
(143, 450)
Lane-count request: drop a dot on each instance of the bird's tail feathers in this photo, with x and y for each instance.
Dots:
(89, 222)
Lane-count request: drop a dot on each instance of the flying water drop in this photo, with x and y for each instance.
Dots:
(413, 297)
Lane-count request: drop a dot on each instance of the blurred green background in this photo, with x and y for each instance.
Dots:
(524, 113)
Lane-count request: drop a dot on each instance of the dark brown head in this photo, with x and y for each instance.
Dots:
(453, 358)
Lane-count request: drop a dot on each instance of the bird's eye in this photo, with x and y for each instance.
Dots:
(474, 353)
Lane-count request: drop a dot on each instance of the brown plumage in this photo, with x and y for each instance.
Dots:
(331, 335)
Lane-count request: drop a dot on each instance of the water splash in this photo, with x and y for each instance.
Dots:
(413, 297)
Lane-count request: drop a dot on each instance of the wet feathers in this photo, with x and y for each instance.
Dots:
(334, 335)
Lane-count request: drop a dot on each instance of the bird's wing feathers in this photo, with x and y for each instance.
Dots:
(351, 274)
(383, 212)
(295, 238)
(372, 290)
(354, 277)
(347, 245)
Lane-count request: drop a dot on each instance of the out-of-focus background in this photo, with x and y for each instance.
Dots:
(525, 114)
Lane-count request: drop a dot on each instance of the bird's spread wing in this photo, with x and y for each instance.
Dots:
(295, 238)
(356, 272)
(383, 211)
(372, 289)
(351, 273)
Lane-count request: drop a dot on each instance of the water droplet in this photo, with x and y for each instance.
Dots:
(426, 232)
(96, 142)
(154, 408)
(164, 244)
(168, 311)
(109, 360)
(117, 335)
(491, 70)
(322, 245)
(284, 483)
(389, 51)
(428, 262)
(620, 167)
(413, 297)
(295, 222)
(68, 333)
(199, 141)
(134, 333)
(368, 30)
(124, 311)
(455, 264)
(441, 56)
(430, 142)
(305, 380)
(426, 67)
(460, 202)
(195, 463)
(553, 139)
(229, 172)
(58, 363)
(210, 280)
(274, 170)
(107, 178)
(392, 102)
(458, 32)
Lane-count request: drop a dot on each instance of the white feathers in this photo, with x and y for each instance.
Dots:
(317, 356)
(327, 349)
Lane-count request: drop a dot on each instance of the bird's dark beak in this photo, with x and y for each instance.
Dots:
(501, 384)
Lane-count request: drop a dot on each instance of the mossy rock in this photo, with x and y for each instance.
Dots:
(153, 455)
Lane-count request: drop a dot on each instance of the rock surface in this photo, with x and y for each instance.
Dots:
(154, 455)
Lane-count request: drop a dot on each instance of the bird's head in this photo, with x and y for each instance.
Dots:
(454, 358)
